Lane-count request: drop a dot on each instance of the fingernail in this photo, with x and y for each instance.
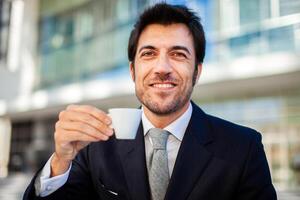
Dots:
(105, 138)
(110, 132)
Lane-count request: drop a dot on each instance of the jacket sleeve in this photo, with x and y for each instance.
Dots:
(78, 186)
(256, 180)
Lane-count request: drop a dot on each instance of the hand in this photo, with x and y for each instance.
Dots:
(77, 126)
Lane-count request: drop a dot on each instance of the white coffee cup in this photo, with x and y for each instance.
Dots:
(125, 121)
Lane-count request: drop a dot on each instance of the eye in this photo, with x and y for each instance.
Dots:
(178, 54)
(148, 54)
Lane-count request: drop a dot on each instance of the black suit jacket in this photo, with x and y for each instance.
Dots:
(217, 160)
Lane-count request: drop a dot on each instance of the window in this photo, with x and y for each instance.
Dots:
(254, 11)
(288, 7)
(21, 138)
(281, 39)
(5, 7)
(245, 44)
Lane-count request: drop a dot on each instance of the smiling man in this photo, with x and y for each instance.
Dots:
(179, 152)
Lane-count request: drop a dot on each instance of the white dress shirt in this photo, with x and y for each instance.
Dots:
(44, 185)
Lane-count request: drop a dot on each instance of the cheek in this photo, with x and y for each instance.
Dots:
(141, 73)
(139, 78)
(185, 75)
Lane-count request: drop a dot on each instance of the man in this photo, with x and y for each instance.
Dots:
(200, 157)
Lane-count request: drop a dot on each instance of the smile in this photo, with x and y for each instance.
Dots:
(163, 85)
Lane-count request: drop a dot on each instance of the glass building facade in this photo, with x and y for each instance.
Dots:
(81, 40)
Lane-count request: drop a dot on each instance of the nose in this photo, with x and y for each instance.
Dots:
(163, 65)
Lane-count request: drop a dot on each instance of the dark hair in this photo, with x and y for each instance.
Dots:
(166, 14)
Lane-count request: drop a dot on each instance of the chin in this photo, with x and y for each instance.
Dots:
(163, 108)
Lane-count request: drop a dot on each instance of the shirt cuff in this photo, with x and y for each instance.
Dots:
(44, 185)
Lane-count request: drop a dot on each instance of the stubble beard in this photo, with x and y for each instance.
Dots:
(158, 108)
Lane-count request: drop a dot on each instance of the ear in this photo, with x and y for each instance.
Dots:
(132, 73)
(199, 66)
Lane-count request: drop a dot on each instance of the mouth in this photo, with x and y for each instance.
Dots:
(166, 86)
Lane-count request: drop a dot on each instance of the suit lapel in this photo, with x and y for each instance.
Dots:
(192, 157)
(132, 156)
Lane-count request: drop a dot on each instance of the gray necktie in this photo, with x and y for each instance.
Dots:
(158, 165)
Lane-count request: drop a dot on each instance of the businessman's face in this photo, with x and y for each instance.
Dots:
(164, 68)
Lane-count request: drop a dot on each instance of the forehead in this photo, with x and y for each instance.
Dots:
(160, 36)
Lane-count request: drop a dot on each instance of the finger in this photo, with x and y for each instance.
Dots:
(67, 136)
(81, 144)
(80, 127)
(99, 114)
(88, 119)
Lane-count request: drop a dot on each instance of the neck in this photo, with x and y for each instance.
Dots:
(161, 121)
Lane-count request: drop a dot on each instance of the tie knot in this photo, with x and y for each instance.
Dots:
(159, 138)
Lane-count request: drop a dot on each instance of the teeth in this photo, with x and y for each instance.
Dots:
(163, 85)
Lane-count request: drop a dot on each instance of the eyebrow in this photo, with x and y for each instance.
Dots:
(181, 48)
(177, 47)
(146, 47)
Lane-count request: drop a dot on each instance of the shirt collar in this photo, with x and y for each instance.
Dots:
(176, 128)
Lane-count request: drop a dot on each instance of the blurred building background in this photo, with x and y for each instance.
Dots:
(54, 53)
